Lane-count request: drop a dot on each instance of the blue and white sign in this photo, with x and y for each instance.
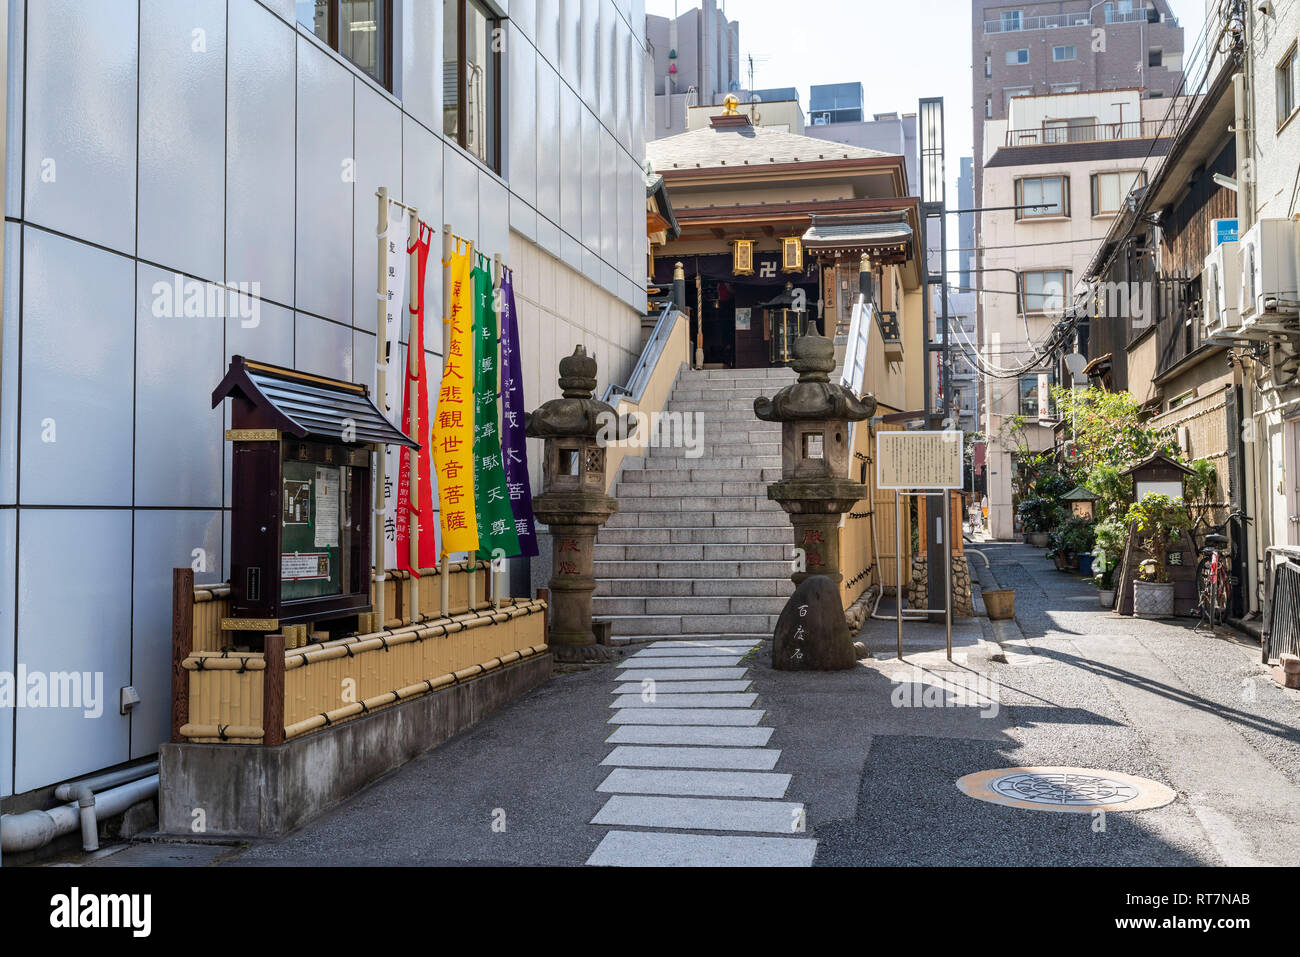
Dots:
(1222, 231)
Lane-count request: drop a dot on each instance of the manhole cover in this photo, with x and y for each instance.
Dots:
(1065, 789)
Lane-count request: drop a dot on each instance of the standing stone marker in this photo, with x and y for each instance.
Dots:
(811, 634)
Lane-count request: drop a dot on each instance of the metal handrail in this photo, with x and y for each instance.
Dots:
(1058, 20)
(654, 346)
(1092, 133)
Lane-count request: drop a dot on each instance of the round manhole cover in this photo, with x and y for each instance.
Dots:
(1065, 789)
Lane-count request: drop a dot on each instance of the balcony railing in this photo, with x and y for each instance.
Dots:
(1093, 132)
(1058, 20)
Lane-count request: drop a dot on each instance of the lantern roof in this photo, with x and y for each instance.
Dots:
(1079, 494)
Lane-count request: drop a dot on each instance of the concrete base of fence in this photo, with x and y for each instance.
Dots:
(248, 790)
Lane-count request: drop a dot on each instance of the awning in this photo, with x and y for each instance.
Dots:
(858, 236)
(1098, 366)
(305, 405)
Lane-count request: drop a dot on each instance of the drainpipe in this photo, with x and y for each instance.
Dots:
(34, 829)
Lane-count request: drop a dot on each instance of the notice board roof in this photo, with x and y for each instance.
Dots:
(306, 405)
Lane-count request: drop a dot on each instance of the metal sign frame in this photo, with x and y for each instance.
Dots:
(950, 436)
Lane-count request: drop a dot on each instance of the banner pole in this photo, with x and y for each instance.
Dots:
(381, 289)
(497, 574)
(413, 384)
(447, 249)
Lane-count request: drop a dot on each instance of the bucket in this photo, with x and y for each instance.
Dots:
(1000, 603)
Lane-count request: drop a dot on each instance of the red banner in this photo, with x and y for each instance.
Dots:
(428, 518)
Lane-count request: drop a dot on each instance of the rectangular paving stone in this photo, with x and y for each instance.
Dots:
(651, 849)
(707, 716)
(702, 814)
(734, 784)
(679, 649)
(681, 674)
(740, 646)
(686, 701)
(713, 759)
(636, 661)
(686, 734)
(683, 687)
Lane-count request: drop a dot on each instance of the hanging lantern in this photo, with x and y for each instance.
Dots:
(672, 68)
(742, 257)
(791, 254)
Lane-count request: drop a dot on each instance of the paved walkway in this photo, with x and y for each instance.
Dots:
(730, 757)
(690, 760)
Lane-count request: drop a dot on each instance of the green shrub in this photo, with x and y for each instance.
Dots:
(1157, 521)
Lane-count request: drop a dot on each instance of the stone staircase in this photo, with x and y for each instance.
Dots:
(696, 548)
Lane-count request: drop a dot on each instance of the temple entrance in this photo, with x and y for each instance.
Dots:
(752, 325)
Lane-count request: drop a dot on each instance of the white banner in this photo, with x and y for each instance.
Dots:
(397, 306)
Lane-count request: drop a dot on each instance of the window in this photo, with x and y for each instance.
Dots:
(361, 30)
(988, 65)
(1017, 57)
(1060, 54)
(1156, 57)
(1043, 291)
(1042, 196)
(1010, 20)
(988, 107)
(1079, 129)
(1119, 11)
(1015, 91)
(1029, 396)
(1109, 190)
(1065, 88)
(471, 81)
(1288, 90)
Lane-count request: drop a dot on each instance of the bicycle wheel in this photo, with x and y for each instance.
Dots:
(1204, 590)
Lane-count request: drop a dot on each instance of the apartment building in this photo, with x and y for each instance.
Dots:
(152, 143)
(694, 61)
(1057, 172)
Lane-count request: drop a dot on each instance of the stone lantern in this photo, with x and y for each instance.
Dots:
(815, 488)
(573, 503)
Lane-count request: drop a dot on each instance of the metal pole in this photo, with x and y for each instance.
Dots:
(378, 572)
(947, 566)
(898, 569)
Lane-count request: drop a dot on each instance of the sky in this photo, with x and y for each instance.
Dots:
(900, 50)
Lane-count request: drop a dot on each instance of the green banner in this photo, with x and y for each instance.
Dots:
(496, 520)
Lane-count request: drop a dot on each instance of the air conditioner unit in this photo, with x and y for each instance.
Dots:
(1268, 272)
(1220, 288)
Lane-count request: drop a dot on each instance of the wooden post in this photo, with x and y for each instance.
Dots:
(182, 645)
(545, 595)
(273, 692)
(447, 249)
(381, 339)
(413, 424)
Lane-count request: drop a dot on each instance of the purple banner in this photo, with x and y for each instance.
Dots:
(514, 448)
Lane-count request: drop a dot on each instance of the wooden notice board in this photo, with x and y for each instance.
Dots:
(919, 460)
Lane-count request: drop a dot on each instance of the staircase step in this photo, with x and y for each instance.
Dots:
(710, 587)
(737, 535)
(691, 624)
(679, 489)
(692, 553)
(667, 568)
(698, 503)
(743, 453)
(632, 606)
(693, 519)
(648, 475)
(743, 414)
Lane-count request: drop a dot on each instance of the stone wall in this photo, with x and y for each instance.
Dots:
(918, 587)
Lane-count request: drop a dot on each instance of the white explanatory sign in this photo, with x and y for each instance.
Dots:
(920, 460)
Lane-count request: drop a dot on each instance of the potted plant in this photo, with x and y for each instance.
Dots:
(1035, 519)
(1108, 550)
(1077, 538)
(1156, 521)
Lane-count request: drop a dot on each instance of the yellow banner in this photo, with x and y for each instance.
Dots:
(453, 424)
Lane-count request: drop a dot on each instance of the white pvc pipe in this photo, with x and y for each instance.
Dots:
(33, 829)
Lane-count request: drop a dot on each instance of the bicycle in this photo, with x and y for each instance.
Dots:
(1214, 578)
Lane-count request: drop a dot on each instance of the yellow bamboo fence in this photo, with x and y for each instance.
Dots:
(867, 539)
(295, 686)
